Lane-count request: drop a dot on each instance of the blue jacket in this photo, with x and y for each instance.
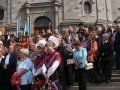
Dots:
(80, 55)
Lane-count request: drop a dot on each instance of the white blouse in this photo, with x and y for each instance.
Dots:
(52, 69)
(36, 72)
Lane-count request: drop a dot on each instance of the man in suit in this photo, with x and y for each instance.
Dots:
(10, 67)
(117, 48)
(105, 29)
(80, 32)
(107, 57)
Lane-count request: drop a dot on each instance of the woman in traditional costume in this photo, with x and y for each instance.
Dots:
(52, 65)
(37, 67)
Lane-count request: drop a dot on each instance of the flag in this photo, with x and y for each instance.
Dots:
(26, 29)
(18, 26)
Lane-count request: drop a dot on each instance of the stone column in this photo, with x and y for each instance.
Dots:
(56, 17)
(101, 12)
(109, 10)
(28, 19)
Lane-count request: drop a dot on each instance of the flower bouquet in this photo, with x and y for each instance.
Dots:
(38, 84)
(49, 86)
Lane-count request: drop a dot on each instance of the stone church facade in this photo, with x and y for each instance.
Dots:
(57, 14)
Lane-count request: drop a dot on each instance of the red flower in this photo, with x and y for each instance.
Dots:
(35, 85)
(40, 83)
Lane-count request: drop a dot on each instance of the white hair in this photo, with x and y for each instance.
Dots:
(24, 51)
(106, 35)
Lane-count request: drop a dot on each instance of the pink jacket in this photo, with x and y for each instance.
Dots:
(15, 81)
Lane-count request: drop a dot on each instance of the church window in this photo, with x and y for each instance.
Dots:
(87, 7)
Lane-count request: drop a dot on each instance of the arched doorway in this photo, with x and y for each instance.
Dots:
(42, 22)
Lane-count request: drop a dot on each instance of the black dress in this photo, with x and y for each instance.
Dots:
(2, 76)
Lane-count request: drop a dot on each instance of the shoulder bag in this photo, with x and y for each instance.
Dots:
(88, 66)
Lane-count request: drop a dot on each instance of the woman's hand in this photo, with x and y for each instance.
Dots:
(33, 77)
(46, 77)
(5, 67)
(17, 76)
(103, 54)
(23, 71)
(77, 64)
(46, 80)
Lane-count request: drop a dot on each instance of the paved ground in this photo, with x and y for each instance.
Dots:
(98, 88)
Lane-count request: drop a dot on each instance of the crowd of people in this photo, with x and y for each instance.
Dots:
(58, 58)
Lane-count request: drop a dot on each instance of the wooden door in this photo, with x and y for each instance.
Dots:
(2, 30)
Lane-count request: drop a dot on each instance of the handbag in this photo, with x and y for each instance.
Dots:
(70, 61)
(88, 66)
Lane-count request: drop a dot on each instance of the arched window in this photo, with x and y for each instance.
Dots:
(1, 14)
(87, 7)
(42, 21)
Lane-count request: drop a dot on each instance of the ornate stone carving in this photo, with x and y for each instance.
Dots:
(117, 20)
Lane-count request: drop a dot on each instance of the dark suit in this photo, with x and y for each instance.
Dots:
(4, 42)
(2, 76)
(81, 32)
(105, 31)
(11, 68)
(63, 52)
(108, 58)
(117, 50)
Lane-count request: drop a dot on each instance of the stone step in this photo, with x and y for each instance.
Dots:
(115, 75)
(97, 88)
(116, 71)
(101, 84)
(115, 79)
(104, 84)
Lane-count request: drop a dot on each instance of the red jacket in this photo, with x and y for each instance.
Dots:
(92, 51)
(14, 81)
